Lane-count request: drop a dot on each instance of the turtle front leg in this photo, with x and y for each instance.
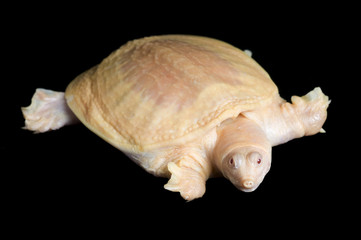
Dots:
(48, 111)
(311, 110)
(188, 177)
(304, 117)
(285, 121)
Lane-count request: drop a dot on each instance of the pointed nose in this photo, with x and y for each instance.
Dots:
(248, 184)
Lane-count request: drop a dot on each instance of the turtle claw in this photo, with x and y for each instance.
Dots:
(48, 111)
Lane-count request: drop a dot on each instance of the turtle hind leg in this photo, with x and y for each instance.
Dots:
(48, 111)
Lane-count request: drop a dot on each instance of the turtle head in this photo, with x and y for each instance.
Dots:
(242, 153)
(246, 167)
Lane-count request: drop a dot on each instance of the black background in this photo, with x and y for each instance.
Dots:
(70, 179)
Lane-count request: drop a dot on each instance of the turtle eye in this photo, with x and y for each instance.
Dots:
(255, 158)
(232, 163)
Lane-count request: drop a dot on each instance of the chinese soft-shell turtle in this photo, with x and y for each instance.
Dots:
(183, 107)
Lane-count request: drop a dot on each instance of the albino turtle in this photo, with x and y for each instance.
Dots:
(183, 107)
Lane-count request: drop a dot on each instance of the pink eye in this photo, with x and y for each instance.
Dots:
(255, 158)
(232, 163)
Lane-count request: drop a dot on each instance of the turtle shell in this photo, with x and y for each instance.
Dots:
(166, 90)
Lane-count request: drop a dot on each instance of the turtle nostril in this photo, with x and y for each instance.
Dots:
(248, 184)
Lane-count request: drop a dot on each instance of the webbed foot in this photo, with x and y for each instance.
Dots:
(48, 111)
(312, 110)
(188, 182)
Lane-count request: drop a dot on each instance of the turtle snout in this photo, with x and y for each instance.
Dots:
(248, 184)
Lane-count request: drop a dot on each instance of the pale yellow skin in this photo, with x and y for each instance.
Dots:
(184, 107)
